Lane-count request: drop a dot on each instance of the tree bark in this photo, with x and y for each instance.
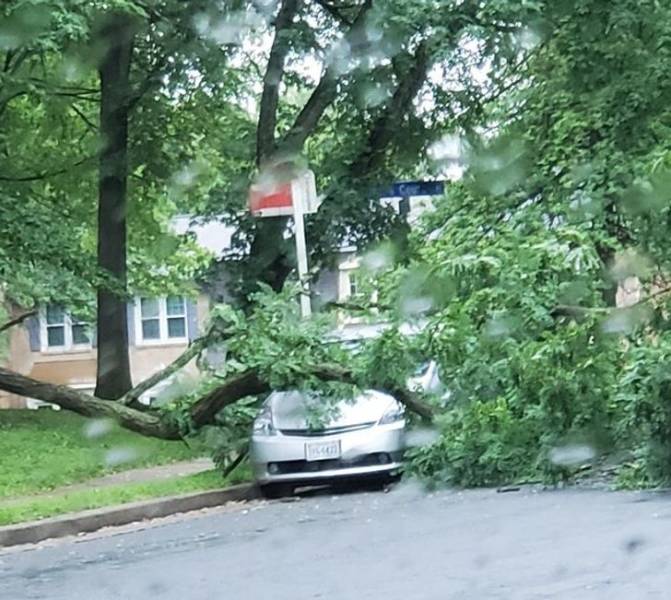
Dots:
(17, 320)
(265, 131)
(113, 372)
(382, 132)
(269, 251)
(182, 360)
(237, 387)
(88, 406)
(267, 248)
(323, 95)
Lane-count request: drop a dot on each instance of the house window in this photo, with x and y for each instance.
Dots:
(151, 318)
(63, 331)
(175, 309)
(354, 284)
(55, 326)
(162, 320)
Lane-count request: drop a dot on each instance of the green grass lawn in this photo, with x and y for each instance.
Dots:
(40, 508)
(44, 449)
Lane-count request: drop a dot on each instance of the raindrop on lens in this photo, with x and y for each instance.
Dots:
(571, 455)
(119, 456)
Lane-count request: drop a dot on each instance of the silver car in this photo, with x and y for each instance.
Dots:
(363, 437)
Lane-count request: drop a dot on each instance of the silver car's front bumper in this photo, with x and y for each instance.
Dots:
(374, 450)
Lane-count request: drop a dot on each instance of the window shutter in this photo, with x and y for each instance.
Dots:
(130, 319)
(192, 319)
(33, 327)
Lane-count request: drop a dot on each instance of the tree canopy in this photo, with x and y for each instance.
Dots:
(550, 118)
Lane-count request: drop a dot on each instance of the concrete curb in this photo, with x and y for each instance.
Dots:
(92, 520)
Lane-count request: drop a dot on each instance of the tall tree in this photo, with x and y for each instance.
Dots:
(360, 121)
(113, 367)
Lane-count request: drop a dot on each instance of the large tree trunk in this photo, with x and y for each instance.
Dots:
(270, 259)
(113, 375)
(145, 423)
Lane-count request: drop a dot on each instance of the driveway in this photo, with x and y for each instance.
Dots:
(402, 545)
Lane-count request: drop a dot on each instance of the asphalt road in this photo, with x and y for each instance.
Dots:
(402, 545)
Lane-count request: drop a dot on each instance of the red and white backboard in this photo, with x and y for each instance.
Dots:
(277, 199)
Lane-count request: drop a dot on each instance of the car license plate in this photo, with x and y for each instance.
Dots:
(322, 450)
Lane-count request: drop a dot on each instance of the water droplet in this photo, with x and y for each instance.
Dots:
(630, 263)
(450, 148)
(415, 305)
(379, 259)
(500, 326)
(584, 205)
(625, 320)
(22, 25)
(339, 57)
(580, 172)
(527, 38)
(571, 455)
(648, 195)
(230, 29)
(374, 94)
(421, 437)
(72, 69)
(98, 427)
(119, 456)
(498, 165)
(279, 171)
(185, 177)
(421, 290)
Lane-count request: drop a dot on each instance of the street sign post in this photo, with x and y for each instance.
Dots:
(294, 198)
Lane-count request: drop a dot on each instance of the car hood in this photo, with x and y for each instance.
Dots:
(293, 410)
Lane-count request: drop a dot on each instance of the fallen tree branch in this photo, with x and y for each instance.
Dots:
(88, 406)
(412, 400)
(182, 360)
(238, 459)
(17, 320)
(237, 387)
(571, 310)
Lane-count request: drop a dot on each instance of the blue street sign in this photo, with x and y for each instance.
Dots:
(404, 189)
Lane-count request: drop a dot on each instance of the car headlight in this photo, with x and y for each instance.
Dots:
(263, 424)
(394, 413)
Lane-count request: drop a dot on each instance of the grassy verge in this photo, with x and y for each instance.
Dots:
(43, 507)
(42, 450)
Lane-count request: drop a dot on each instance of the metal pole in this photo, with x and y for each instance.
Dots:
(302, 258)
(404, 207)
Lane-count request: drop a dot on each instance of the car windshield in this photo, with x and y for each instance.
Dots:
(335, 299)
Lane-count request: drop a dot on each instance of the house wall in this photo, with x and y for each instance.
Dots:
(325, 289)
(18, 359)
(78, 368)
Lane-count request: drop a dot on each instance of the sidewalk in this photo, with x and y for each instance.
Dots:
(87, 521)
(143, 475)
